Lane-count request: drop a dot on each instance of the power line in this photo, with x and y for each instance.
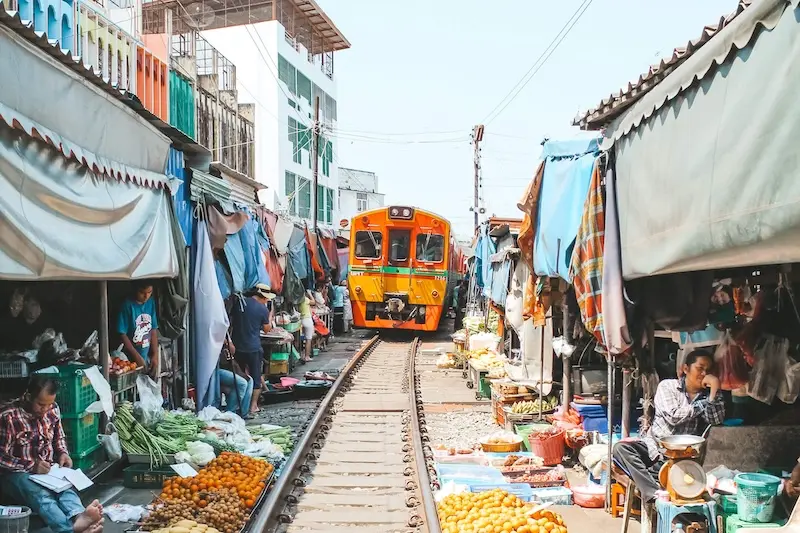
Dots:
(540, 61)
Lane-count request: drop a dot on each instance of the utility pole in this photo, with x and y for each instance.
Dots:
(315, 161)
(477, 137)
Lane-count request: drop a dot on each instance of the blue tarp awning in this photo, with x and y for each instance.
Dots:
(565, 185)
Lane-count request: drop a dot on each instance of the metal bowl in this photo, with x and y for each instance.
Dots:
(680, 442)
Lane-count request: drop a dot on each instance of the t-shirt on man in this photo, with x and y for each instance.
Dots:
(137, 320)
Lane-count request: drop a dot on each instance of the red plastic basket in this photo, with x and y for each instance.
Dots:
(551, 448)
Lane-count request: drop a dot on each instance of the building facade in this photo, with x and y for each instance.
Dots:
(285, 77)
(358, 192)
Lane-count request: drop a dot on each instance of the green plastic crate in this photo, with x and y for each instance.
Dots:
(76, 392)
(81, 432)
(89, 459)
(143, 477)
(734, 524)
(484, 389)
(279, 356)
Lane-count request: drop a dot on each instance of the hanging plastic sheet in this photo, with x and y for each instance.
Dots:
(255, 271)
(514, 300)
(224, 280)
(274, 270)
(181, 200)
(298, 253)
(313, 254)
(234, 253)
(210, 321)
(501, 269)
(483, 265)
(283, 235)
(344, 263)
(565, 185)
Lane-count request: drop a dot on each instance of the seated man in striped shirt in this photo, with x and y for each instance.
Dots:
(31, 441)
(685, 406)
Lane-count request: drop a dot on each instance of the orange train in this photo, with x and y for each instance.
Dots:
(404, 264)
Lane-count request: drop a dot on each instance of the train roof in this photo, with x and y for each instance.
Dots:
(416, 210)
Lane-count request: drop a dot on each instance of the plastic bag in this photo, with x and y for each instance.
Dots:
(201, 453)
(789, 387)
(111, 444)
(122, 512)
(732, 368)
(148, 409)
(770, 361)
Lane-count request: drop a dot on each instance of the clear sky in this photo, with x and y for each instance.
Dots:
(419, 67)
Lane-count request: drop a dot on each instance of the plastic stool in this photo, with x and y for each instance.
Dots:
(618, 501)
(667, 511)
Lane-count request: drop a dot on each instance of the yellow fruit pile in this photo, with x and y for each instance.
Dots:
(495, 511)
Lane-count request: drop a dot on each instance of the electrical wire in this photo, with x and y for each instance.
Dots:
(539, 63)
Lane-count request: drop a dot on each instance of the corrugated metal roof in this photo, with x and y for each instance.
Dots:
(203, 184)
(612, 106)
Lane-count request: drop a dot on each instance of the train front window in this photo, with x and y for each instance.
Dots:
(368, 244)
(430, 248)
(399, 245)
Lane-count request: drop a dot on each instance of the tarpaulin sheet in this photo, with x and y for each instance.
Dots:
(255, 271)
(180, 198)
(234, 253)
(483, 266)
(59, 220)
(210, 320)
(709, 179)
(565, 185)
(298, 253)
(78, 117)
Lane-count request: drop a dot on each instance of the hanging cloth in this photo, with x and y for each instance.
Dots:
(586, 266)
(313, 253)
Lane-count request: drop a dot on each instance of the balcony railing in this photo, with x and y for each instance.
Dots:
(106, 48)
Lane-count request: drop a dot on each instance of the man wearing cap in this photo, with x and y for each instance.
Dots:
(249, 317)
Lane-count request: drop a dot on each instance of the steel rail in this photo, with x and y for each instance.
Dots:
(272, 508)
(429, 504)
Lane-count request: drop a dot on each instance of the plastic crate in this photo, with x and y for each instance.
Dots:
(520, 490)
(76, 392)
(279, 356)
(16, 368)
(554, 495)
(144, 477)
(81, 432)
(466, 474)
(126, 380)
(89, 459)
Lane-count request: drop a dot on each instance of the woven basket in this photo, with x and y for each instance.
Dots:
(550, 449)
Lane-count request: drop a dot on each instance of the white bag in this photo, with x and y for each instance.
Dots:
(789, 388)
(111, 444)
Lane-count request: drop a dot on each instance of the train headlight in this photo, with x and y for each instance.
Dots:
(395, 212)
(406, 213)
(435, 294)
(358, 289)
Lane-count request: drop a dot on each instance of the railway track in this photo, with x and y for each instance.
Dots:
(362, 465)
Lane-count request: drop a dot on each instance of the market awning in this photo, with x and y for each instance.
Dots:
(60, 220)
(48, 100)
(706, 167)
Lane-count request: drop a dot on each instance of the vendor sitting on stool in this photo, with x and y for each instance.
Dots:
(684, 406)
(31, 441)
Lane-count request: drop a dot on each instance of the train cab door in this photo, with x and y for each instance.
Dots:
(398, 278)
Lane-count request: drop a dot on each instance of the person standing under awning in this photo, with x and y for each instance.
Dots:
(137, 325)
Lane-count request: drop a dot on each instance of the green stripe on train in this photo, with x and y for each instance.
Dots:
(400, 270)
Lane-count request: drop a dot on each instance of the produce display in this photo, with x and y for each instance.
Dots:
(536, 477)
(496, 511)
(486, 358)
(120, 366)
(516, 460)
(138, 440)
(278, 435)
(532, 406)
(220, 497)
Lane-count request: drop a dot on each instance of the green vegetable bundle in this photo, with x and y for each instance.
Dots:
(179, 426)
(136, 439)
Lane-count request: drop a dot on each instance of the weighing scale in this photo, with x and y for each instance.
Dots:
(682, 475)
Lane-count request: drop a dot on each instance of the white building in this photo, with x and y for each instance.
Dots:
(358, 192)
(283, 79)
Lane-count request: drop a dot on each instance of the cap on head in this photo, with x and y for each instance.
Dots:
(264, 291)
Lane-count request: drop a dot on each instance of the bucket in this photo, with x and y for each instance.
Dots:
(17, 522)
(550, 448)
(756, 497)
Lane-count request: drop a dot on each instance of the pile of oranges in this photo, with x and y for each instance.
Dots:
(495, 511)
(245, 476)
(220, 495)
